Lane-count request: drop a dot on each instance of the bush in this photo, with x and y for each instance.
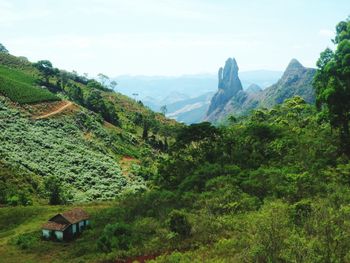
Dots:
(115, 236)
(26, 241)
(178, 223)
(20, 198)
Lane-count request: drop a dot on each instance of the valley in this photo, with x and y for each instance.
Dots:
(242, 166)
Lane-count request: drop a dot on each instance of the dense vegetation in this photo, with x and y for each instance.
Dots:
(83, 148)
(273, 186)
(58, 148)
(21, 87)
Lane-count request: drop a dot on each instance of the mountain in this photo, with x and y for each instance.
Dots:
(253, 88)
(160, 87)
(191, 110)
(296, 80)
(157, 91)
(231, 99)
(262, 78)
(156, 104)
(229, 86)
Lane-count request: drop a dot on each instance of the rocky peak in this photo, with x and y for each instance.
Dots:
(253, 88)
(228, 77)
(228, 85)
(293, 72)
(294, 64)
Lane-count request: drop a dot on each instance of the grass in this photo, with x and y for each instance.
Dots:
(16, 222)
(20, 87)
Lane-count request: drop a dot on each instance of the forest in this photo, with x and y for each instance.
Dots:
(271, 186)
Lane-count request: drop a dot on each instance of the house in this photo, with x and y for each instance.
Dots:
(67, 225)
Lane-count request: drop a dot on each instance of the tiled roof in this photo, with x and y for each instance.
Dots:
(75, 215)
(50, 225)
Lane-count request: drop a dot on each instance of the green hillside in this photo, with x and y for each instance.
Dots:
(84, 146)
(264, 189)
(57, 147)
(21, 88)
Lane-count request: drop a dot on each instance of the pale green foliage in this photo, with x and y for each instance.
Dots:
(56, 147)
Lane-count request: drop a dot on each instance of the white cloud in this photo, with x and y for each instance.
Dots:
(11, 13)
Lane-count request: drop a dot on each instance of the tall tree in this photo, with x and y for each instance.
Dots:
(46, 69)
(104, 79)
(332, 83)
(164, 109)
(3, 49)
(113, 84)
(54, 190)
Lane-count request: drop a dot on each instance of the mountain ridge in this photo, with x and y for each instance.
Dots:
(295, 81)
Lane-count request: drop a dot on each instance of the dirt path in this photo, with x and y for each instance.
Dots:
(66, 105)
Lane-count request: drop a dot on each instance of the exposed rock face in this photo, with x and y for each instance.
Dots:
(231, 99)
(296, 80)
(229, 86)
(253, 88)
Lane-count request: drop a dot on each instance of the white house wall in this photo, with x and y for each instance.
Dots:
(59, 235)
(46, 233)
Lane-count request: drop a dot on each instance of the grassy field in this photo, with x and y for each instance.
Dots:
(24, 223)
(20, 87)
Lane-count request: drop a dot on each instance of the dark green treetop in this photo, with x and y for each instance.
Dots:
(3, 49)
(332, 83)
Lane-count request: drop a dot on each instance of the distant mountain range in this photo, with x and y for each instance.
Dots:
(192, 110)
(187, 97)
(231, 98)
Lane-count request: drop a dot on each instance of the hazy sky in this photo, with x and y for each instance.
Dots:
(169, 37)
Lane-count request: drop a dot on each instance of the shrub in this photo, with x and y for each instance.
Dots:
(26, 241)
(115, 236)
(178, 223)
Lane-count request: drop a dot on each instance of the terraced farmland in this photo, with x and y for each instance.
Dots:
(21, 88)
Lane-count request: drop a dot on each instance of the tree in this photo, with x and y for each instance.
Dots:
(46, 69)
(64, 77)
(3, 49)
(164, 109)
(94, 101)
(146, 126)
(110, 114)
(332, 83)
(232, 119)
(93, 84)
(75, 93)
(148, 122)
(113, 84)
(54, 189)
(178, 223)
(115, 236)
(103, 79)
(196, 132)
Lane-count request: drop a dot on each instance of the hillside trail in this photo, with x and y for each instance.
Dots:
(52, 113)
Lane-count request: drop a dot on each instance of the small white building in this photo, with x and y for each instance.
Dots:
(67, 225)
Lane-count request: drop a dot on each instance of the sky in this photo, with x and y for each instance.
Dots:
(169, 37)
